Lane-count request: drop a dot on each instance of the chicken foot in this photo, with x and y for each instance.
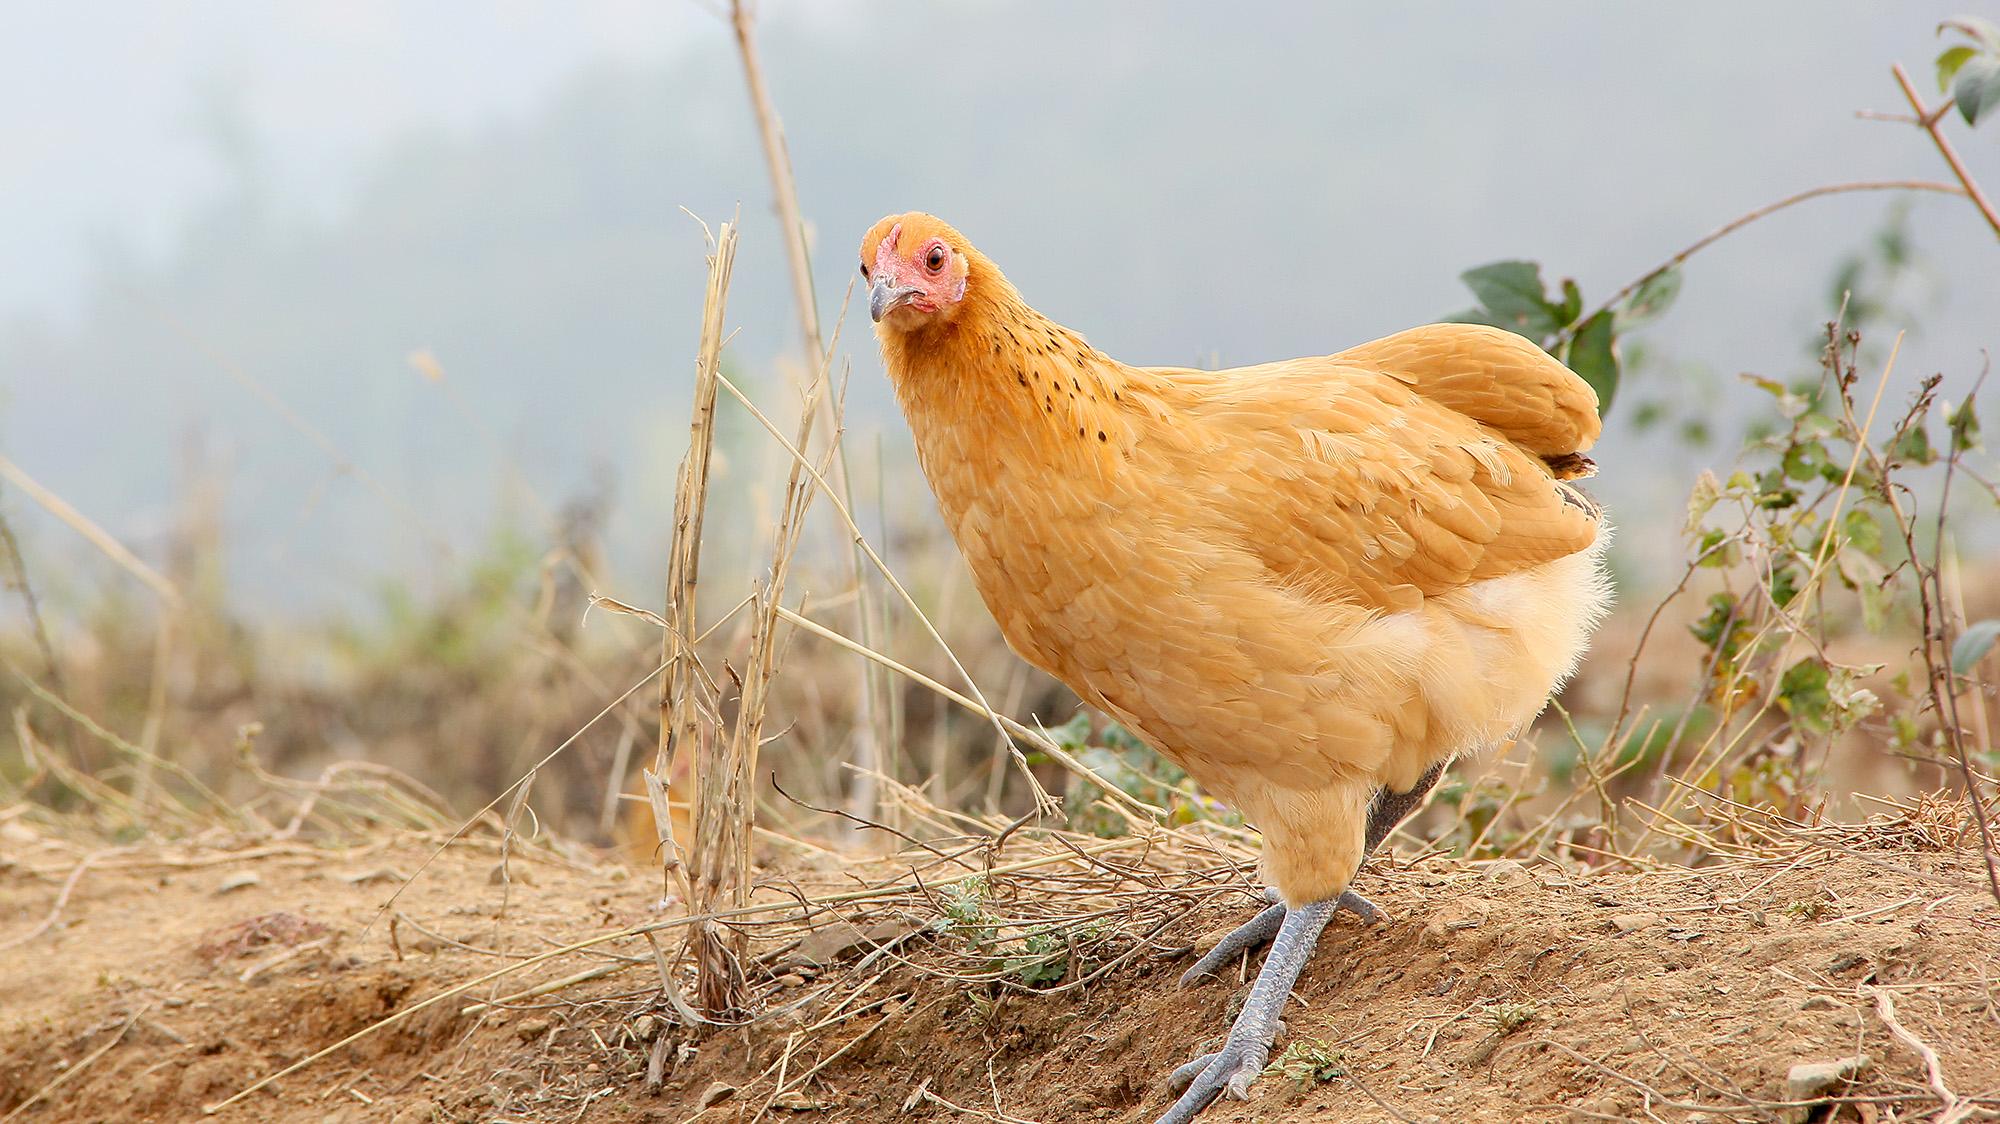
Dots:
(1391, 808)
(1259, 931)
(1248, 1048)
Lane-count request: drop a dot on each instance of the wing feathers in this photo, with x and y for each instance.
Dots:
(1388, 493)
(1495, 378)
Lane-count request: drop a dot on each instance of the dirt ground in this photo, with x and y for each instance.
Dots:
(145, 983)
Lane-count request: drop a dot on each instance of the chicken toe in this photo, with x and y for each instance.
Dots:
(1259, 930)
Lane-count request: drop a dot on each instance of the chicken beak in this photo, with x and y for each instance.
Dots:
(884, 298)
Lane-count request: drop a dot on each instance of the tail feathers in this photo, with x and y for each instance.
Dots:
(1571, 466)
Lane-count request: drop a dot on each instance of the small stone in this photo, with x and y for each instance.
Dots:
(1811, 1080)
(1633, 922)
(531, 1029)
(791, 979)
(643, 1027)
(237, 882)
(715, 1094)
(1507, 872)
(829, 943)
(1818, 1003)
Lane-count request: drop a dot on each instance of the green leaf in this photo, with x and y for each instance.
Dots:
(1653, 297)
(1803, 462)
(1804, 695)
(1594, 358)
(1964, 428)
(1863, 530)
(1913, 446)
(1977, 88)
(1784, 586)
(1707, 491)
(1972, 645)
(1976, 27)
(1513, 292)
(1706, 549)
(1948, 63)
(1572, 305)
(1073, 734)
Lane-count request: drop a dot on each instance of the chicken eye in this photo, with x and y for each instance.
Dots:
(934, 260)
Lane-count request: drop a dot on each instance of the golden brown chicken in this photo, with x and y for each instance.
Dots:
(1310, 584)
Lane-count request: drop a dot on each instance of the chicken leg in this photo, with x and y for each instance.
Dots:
(1293, 935)
(1391, 808)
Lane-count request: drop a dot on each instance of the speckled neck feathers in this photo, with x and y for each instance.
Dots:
(1003, 371)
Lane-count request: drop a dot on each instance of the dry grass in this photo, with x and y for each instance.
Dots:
(965, 875)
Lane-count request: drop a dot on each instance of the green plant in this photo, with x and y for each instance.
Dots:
(967, 915)
(1509, 1017)
(1044, 959)
(1512, 295)
(1970, 72)
(1308, 1062)
(1117, 755)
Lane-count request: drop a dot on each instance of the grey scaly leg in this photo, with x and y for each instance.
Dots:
(1391, 808)
(1248, 1048)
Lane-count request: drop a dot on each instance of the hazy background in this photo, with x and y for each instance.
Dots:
(204, 195)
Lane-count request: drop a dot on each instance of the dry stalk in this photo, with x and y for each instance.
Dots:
(97, 536)
(726, 805)
(1943, 680)
(1956, 1108)
(170, 608)
(1038, 740)
(798, 911)
(682, 729)
(465, 826)
(1044, 802)
(36, 625)
(62, 899)
(229, 813)
(872, 737)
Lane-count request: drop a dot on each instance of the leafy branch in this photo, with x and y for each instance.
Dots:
(1512, 295)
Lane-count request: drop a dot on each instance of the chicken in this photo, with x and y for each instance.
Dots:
(1310, 584)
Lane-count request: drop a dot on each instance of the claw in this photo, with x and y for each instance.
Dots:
(1362, 908)
(1201, 1082)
